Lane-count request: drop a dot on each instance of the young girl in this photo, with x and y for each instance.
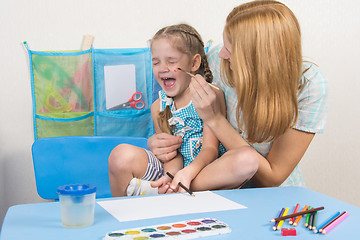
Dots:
(131, 169)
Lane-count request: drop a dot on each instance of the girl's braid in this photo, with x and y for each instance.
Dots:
(207, 71)
(192, 34)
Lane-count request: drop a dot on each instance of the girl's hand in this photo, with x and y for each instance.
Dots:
(164, 146)
(204, 99)
(162, 184)
(182, 176)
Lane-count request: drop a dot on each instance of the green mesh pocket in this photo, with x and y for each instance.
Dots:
(63, 93)
(64, 126)
(68, 91)
(63, 83)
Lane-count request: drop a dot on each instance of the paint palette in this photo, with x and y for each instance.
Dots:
(179, 230)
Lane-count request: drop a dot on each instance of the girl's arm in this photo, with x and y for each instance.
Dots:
(208, 153)
(286, 151)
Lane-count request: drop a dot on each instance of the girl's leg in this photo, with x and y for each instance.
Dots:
(125, 163)
(230, 171)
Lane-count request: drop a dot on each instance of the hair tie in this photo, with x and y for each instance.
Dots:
(169, 101)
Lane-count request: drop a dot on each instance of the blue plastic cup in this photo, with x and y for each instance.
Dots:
(77, 203)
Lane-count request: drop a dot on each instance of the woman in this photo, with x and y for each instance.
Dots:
(276, 103)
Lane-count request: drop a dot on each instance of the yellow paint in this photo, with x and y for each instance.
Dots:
(132, 232)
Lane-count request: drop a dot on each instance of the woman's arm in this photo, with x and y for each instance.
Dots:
(164, 145)
(208, 105)
(286, 151)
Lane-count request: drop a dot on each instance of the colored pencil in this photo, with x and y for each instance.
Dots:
(297, 214)
(314, 222)
(311, 220)
(293, 218)
(297, 220)
(307, 218)
(335, 223)
(181, 185)
(277, 223)
(282, 221)
(327, 221)
(332, 220)
(190, 74)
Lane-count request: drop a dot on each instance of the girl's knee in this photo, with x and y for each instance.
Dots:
(121, 157)
(245, 160)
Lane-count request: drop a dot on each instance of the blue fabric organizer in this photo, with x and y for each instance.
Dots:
(69, 98)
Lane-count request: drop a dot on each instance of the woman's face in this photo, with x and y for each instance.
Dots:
(225, 52)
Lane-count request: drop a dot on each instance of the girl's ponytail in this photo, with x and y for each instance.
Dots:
(164, 116)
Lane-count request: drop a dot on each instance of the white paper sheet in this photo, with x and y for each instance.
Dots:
(167, 205)
(120, 84)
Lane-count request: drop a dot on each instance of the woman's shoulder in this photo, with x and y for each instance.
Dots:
(312, 99)
(314, 83)
(214, 64)
(312, 74)
(213, 57)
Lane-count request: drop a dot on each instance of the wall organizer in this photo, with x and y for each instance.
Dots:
(86, 92)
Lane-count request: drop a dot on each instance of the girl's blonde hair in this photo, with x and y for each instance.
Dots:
(266, 61)
(187, 40)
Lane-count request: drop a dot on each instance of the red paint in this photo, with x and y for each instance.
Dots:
(188, 231)
(194, 223)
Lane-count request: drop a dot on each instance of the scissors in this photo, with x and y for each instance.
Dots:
(134, 102)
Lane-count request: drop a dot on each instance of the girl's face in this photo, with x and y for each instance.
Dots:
(166, 59)
(225, 52)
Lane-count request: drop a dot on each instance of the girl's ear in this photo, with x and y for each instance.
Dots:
(196, 62)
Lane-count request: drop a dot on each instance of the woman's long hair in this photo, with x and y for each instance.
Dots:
(266, 66)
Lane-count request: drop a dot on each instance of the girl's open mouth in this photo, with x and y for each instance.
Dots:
(168, 82)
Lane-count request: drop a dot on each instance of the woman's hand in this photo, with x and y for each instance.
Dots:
(205, 99)
(164, 146)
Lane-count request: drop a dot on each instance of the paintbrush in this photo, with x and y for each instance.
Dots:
(181, 185)
(188, 73)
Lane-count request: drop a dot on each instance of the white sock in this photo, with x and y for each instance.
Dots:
(139, 187)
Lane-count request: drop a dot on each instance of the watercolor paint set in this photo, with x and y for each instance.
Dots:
(190, 229)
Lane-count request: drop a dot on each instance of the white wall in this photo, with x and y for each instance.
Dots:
(331, 30)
